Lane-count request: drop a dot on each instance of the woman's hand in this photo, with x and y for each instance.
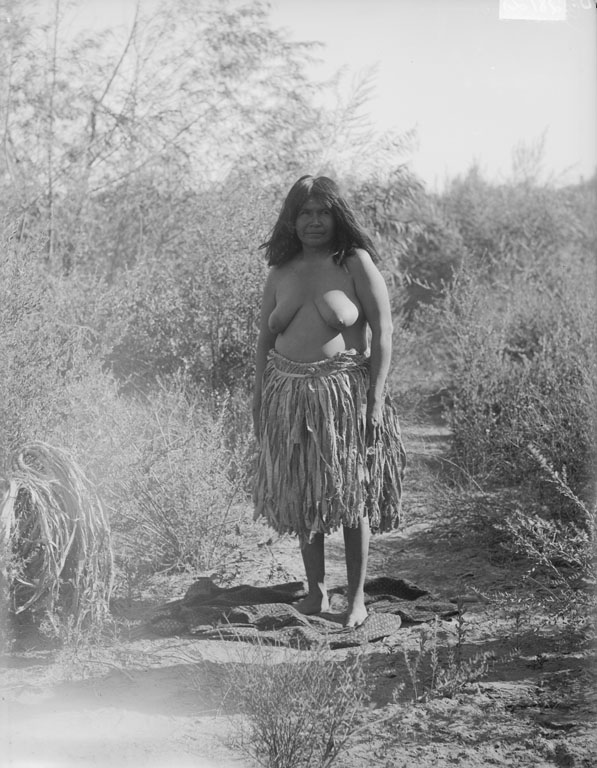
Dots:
(374, 417)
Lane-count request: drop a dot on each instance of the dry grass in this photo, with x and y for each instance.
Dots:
(57, 540)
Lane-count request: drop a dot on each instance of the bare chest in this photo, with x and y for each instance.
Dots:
(302, 283)
(328, 289)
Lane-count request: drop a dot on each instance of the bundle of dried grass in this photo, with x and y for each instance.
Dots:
(55, 539)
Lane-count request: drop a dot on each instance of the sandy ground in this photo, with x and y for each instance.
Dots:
(158, 702)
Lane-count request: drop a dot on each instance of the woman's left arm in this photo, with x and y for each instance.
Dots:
(372, 293)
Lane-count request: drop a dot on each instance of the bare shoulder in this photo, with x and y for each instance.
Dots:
(278, 271)
(361, 265)
(274, 275)
(370, 288)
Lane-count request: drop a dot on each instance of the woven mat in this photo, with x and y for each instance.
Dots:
(266, 614)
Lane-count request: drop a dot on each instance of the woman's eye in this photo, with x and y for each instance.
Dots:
(321, 213)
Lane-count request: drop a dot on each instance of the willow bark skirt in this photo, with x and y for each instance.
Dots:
(317, 467)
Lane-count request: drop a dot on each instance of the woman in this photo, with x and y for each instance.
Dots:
(330, 452)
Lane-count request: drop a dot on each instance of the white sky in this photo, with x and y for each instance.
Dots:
(472, 84)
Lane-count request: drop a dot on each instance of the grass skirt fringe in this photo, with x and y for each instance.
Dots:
(316, 468)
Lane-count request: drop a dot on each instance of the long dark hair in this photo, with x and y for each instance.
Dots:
(283, 244)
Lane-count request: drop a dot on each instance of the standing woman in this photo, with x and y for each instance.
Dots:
(330, 451)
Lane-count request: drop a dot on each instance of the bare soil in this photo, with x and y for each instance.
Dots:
(527, 698)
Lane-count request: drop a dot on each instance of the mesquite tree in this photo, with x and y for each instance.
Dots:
(155, 157)
(177, 101)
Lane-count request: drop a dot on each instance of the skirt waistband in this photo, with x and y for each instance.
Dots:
(348, 360)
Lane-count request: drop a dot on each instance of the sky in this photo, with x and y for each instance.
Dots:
(471, 80)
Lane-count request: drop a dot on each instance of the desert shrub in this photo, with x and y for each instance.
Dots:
(436, 671)
(419, 373)
(436, 249)
(161, 462)
(45, 344)
(561, 564)
(192, 305)
(522, 371)
(524, 272)
(296, 711)
(508, 227)
(155, 325)
(173, 502)
(560, 553)
(582, 197)
(234, 273)
(384, 203)
(420, 247)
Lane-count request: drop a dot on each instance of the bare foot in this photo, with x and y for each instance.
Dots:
(356, 616)
(312, 604)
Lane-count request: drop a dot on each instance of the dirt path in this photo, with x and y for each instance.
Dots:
(157, 702)
(153, 713)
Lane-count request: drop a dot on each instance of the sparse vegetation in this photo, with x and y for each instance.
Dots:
(130, 281)
(297, 711)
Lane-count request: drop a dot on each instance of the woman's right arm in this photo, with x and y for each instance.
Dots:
(265, 342)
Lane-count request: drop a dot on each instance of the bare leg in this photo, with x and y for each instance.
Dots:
(356, 544)
(313, 559)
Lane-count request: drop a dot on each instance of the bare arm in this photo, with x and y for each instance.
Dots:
(372, 293)
(265, 342)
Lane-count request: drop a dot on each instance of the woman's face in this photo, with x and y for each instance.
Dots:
(315, 226)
